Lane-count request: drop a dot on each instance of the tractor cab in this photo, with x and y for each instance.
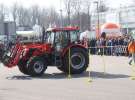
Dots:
(60, 38)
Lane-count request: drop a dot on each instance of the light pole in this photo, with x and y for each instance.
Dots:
(61, 17)
(127, 20)
(97, 3)
(121, 18)
(61, 13)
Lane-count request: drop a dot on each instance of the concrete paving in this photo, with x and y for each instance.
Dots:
(115, 84)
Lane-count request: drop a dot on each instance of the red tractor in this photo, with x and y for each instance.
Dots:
(59, 47)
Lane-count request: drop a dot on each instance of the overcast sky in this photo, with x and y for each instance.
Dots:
(28, 3)
(117, 3)
(56, 3)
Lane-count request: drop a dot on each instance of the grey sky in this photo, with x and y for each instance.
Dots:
(56, 3)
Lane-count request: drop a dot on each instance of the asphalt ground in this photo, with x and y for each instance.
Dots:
(110, 81)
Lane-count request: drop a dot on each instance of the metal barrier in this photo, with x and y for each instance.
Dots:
(109, 50)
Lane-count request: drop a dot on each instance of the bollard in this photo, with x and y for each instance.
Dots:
(89, 68)
(69, 67)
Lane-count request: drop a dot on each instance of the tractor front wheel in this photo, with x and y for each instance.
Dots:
(36, 66)
(22, 67)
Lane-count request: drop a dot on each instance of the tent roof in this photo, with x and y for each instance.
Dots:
(110, 26)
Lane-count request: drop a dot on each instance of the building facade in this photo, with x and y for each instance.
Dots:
(124, 16)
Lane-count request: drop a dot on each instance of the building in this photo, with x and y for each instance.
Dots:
(125, 16)
(7, 28)
(7, 31)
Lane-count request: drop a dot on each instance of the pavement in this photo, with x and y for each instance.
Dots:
(110, 81)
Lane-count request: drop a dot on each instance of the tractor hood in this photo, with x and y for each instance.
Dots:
(44, 47)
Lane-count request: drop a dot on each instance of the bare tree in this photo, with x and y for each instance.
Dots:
(14, 11)
(53, 16)
(103, 6)
(2, 12)
(35, 14)
(87, 8)
(77, 10)
(68, 8)
(27, 18)
(20, 15)
(43, 18)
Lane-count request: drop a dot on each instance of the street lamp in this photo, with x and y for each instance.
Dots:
(127, 20)
(97, 3)
(61, 17)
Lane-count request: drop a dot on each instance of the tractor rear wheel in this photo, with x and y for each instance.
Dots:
(79, 61)
(36, 66)
(22, 67)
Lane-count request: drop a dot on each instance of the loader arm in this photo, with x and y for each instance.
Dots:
(14, 56)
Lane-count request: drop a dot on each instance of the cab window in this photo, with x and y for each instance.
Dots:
(74, 36)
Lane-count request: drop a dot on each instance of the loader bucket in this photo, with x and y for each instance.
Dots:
(11, 58)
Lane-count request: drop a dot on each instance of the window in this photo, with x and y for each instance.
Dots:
(50, 37)
(74, 36)
(58, 37)
(62, 38)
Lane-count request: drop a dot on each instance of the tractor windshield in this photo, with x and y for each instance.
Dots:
(62, 36)
(49, 37)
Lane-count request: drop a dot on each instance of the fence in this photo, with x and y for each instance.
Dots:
(119, 50)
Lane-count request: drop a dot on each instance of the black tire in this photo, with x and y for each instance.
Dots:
(22, 66)
(36, 66)
(79, 61)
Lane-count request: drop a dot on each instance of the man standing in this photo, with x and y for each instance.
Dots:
(131, 48)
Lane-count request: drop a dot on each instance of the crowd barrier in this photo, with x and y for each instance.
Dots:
(109, 50)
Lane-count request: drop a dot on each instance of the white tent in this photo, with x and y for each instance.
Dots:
(111, 29)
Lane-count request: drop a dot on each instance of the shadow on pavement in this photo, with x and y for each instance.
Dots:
(107, 75)
(94, 75)
(19, 77)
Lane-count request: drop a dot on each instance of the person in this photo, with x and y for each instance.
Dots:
(98, 46)
(103, 35)
(117, 46)
(131, 49)
(103, 43)
(109, 43)
(93, 45)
